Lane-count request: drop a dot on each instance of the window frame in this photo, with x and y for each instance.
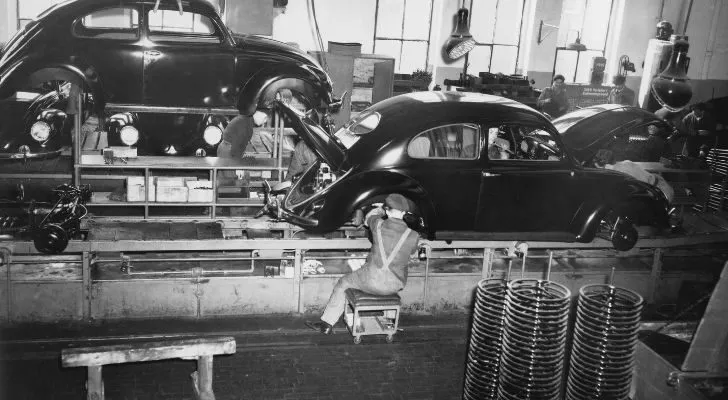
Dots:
(477, 142)
(217, 37)
(80, 30)
(402, 40)
(492, 44)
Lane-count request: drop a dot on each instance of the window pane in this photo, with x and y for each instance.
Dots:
(596, 22)
(389, 19)
(479, 60)
(390, 48)
(566, 64)
(414, 55)
(482, 20)
(416, 20)
(508, 25)
(585, 64)
(451, 142)
(31, 9)
(504, 59)
(122, 18)
(172, 21)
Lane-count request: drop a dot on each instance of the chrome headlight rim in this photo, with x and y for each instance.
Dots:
(40, 131)
(212, 135)
(129, 135)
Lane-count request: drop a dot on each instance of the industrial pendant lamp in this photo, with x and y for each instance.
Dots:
(577, 45)
(670, 87)
(460, 41)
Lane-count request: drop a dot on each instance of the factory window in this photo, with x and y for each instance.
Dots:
(30, 10)
(587, 20)
(496, 26)
(458, 141)
(402, 30)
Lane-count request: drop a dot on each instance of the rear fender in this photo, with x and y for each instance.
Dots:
(263, 86)
(642, 210)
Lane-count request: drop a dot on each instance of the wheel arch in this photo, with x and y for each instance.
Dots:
(266, 82)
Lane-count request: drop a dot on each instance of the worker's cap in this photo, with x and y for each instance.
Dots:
(399, 202)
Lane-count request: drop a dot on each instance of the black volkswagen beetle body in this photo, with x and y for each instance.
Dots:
(437, 148)
(179, 64)
(619, 128)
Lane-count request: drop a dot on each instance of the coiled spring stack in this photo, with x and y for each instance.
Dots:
(605, 335)
(534, 340)
(484, 351)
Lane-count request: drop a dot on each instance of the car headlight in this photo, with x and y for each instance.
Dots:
(212, 135)
(129, 135)
(40, 131)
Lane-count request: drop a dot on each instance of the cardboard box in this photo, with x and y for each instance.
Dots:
(200, 191)
(171, 194)
(135, 189)
(173, 180)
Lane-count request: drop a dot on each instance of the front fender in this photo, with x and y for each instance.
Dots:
(266, 82)
(28, 70)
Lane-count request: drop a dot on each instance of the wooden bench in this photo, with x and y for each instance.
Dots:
(202, 350)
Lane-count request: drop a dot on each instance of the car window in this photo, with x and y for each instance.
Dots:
(121, 23)
(523, 143)
(457, 141)
(358, 126)
(169, 25)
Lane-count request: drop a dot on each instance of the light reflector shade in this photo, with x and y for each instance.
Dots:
(460, 41)
(670, 87)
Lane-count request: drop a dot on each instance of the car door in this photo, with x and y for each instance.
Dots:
(189, 60)
(446, 162)
(528, 185)
(107, 43)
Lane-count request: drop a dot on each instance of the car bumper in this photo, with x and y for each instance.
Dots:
(30, 155)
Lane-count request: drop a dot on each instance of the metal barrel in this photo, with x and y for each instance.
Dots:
(534, 340)
(485, 345)
(603, 349)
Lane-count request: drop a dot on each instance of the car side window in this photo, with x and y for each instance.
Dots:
(524, 143)
(456, 141)
(171, 26)
(121, 23)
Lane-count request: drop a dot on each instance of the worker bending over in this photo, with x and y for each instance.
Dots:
(385, 270)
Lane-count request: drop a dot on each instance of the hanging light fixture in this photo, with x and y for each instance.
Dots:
(670, 87)
(460, 41)
(577, 45)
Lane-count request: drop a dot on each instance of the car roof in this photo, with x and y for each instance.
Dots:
(421, 110)
(76, 7)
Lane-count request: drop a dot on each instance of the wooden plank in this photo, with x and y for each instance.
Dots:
(169, 162)
(209, 231)
(94, 384)
(709, 348)
(146, 351)
(202, 379)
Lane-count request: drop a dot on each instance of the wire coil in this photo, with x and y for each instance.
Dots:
(605, 335)
(534, 340)
(484, 349)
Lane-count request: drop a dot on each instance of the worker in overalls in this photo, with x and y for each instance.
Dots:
(385, 270)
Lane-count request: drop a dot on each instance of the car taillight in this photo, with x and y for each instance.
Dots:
(40, 131)
(129, 135)
(212, 135)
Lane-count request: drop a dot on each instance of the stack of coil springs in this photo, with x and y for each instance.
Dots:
(534, 340)
(484, 351)
(605, 335)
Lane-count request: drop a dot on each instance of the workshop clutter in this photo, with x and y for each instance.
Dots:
(169, 189)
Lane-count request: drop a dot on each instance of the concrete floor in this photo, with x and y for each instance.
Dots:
(277, 358)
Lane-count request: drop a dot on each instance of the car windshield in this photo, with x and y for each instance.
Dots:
(354, 129)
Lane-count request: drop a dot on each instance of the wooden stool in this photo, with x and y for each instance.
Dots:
(383, 321)
(202, 350)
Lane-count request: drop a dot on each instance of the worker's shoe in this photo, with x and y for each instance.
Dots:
(320, 326)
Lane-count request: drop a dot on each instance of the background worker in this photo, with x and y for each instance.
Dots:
(699, 129)
(385, 270)
(553, 100)
(620, 94)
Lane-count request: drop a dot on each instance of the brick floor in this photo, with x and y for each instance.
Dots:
(425, 362)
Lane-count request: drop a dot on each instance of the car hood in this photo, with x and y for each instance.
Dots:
(583, 131)
(262, 44)
(321, 142)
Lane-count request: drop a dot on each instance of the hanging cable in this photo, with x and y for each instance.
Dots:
(322, 58)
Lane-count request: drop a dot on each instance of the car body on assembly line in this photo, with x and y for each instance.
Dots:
(168, 79)
(477, 167)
